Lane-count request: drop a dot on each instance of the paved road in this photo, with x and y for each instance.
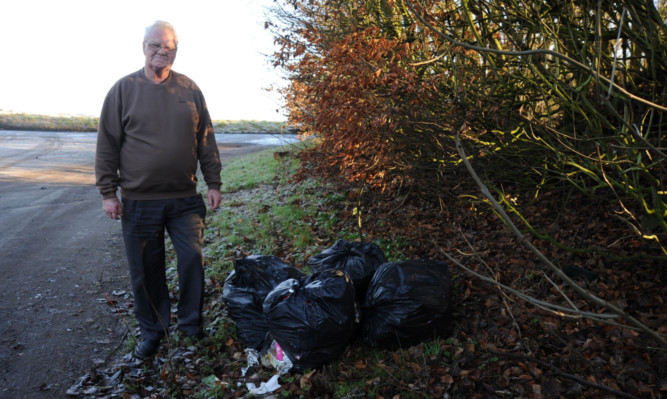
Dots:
(59, 255)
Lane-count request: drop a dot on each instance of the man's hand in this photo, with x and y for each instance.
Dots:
(214, 198)
(112, 208)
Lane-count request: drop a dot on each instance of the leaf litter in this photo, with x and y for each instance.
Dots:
(500, 347)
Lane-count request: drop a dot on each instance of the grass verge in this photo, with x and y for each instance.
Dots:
(263, 212)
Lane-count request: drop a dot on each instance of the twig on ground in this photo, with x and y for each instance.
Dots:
(112, 303)
(579, 289)
(561, 373)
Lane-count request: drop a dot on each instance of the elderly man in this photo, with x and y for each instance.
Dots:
(154, 131)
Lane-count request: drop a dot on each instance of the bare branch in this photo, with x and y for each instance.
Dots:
(579, 289)
(533, 52)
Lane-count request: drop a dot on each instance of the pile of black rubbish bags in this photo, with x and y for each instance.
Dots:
(353, 292)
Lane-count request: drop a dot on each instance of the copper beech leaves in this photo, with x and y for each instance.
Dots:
(358, 98)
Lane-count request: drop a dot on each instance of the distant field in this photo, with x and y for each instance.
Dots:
(9, 121)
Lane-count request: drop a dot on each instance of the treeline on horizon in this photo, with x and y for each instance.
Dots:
(35, 122)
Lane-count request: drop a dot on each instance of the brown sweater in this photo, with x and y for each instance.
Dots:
(150, 138)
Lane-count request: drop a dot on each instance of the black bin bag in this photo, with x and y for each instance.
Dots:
(246, 288)
(359, 260)
(313, 318)
(406, 303)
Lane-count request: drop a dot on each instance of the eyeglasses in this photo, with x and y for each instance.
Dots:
(155, 47)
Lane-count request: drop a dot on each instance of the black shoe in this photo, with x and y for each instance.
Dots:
(146, 348)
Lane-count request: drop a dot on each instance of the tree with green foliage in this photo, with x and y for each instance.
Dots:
(544, 94)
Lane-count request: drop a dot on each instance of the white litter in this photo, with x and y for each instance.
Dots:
(265, 387)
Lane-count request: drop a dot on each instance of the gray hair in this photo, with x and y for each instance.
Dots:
(163, 25)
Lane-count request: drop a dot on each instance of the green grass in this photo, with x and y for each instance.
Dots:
(36, 122)
(264, 213)
(250, 127)
(253, 170)
(261, 211)
(15, 121)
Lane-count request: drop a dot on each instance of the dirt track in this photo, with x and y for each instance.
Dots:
(59, 256)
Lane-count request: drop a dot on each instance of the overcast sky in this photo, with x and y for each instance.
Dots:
(61, 57)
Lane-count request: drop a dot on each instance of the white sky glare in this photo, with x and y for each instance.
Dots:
(61, 57)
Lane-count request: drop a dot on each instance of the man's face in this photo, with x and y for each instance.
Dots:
(160, 49)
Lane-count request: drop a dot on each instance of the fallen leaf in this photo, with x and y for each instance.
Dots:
(305, 379)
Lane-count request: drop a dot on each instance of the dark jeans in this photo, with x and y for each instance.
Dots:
(144, 224)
